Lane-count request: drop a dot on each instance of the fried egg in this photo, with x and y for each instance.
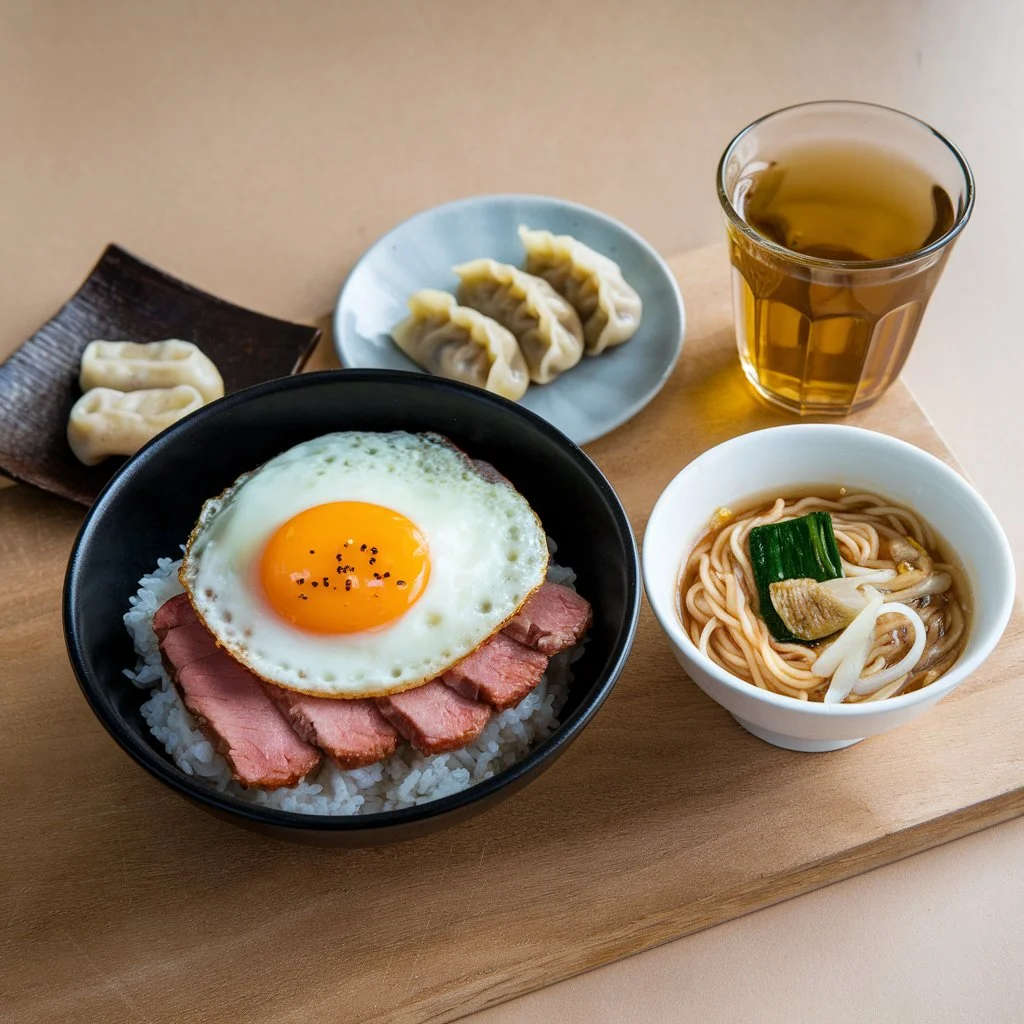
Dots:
(361, 564)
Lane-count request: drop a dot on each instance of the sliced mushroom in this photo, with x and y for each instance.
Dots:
(915, 570)
(810, 610)
(909, 555)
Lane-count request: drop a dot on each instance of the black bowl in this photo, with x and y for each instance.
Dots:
(149, 507)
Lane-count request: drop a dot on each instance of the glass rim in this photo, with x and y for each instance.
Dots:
(845, 266)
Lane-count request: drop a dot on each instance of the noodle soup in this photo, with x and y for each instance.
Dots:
(825, 595)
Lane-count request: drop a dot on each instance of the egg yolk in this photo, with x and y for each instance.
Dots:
(344, 567)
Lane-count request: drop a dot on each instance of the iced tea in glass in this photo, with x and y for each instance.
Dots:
(840, 218)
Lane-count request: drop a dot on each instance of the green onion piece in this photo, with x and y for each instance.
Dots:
(803, 548)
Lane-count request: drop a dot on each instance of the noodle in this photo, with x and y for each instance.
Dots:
(718, 599)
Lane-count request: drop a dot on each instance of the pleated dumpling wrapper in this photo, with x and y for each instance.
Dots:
(462, 344)
(609, 309)
(143, 366)
(545, 325)
(106, 422)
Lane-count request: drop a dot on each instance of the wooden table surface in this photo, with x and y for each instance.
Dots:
(257, 148)
(664, 818)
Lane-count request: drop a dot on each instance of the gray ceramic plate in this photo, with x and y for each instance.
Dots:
(587, 401)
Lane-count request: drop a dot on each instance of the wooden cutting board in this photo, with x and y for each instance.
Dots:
(122, 902)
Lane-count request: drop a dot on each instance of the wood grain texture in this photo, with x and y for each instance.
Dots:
(124, 299)
(122, 902)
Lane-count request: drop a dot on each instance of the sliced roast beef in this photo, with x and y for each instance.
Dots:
(353, 733)
(232, 709)
(183, 645)
(553, 619)
(500, 672)
(175, 612)
(434, 718)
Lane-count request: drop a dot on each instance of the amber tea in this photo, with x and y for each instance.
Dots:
(827, 314)
(845, 202)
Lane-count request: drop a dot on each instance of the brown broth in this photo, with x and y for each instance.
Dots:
(940, 551)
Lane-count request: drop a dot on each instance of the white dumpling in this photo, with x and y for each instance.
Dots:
(107, 422)
(608, 307)
(460, 343)
(545, 325)
(144, 366)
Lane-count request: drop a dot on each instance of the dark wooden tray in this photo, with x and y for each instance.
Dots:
(124, 299)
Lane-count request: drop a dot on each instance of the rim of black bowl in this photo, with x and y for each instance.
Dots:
(160, 766)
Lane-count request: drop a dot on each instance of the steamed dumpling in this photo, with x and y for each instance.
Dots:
(460, 343)
(609, 309)
(545, 325)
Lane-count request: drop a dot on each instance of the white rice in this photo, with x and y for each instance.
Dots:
(405, 779)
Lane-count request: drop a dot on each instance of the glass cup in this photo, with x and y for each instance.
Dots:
(827, 336)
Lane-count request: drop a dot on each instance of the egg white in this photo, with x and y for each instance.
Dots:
(488, 552)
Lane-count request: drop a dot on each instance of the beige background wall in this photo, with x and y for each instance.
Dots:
(257, 148)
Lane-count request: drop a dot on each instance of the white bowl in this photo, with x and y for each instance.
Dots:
(782, 460)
